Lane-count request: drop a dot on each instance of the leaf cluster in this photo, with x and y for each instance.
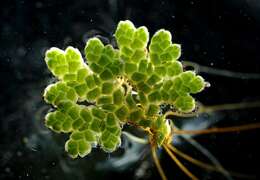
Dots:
(117, 86)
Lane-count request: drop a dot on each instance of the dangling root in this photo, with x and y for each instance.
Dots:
(157, 163)
(206, 165)
(209, 109)
(135, 138)
(181, 166)
(220, 72)
(194, 161)
(207, 154)
(232, 106)
(219, 130)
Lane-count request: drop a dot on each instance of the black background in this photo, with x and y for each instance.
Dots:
(213, 33)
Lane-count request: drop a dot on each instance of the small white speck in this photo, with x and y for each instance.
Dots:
(207, 84)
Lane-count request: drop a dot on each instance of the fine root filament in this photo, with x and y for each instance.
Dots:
(232, 106)
(221, 72)
(157, 163)
(181, 166)
(209, 109)
(193, 160)
(219, 130)
(206, 165)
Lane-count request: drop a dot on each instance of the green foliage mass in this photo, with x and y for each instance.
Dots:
(94, 99)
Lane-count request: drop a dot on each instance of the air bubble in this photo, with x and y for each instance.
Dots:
(207, 84)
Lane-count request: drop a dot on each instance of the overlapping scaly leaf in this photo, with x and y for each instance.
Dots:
(94, 99)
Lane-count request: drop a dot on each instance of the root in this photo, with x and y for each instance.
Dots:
(219, 130)
(232, 106)
(181, 166)
(135, 138)
(221, 72)
(206, 165)
(209, 109)
(157, 163)
(208, 154)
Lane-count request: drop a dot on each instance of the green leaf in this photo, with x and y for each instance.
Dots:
(106, 75)
(185, 103)
(152, 109)
(132, 42)
(161, 48)
(136, 115)
(93, 94)
(122, 113)
(107, 87)
(118, 96)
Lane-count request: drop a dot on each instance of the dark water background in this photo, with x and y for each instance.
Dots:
(213, 33)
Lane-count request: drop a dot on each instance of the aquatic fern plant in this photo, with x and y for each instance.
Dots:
(95, 97)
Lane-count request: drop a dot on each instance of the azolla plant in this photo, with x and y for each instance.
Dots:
(94, 98)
